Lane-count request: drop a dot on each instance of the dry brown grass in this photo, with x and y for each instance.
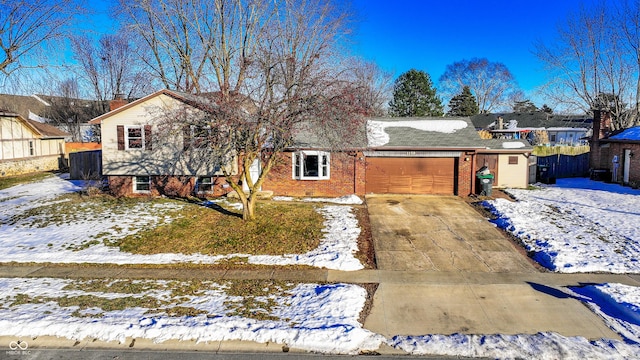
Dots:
(9, 181)
(278, 229)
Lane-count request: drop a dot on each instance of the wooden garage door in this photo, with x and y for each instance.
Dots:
(386, 175)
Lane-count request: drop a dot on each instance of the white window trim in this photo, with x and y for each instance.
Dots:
(135, 183)
(297, 158)
(199, 182)
(126, 136)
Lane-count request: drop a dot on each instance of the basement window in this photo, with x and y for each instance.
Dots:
(141, 184)
(205, 184)
(310, 165)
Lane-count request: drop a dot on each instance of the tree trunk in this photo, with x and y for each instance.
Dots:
(248, 209)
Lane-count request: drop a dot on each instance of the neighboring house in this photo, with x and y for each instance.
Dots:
(69, 115)
(389, 155)
(569, 130)
(615, 154)
(29, 146)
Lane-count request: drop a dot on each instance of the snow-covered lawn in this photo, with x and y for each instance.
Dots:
(82, 238)
(565, 224)
(576, 225)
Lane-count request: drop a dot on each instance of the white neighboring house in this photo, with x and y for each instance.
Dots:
(29, 146)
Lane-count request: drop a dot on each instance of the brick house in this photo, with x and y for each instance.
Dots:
(615, 153)
(388, 155)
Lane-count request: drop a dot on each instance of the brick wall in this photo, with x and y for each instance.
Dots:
(634, 166)
(466, 174)
(172, 186)
(347, 176)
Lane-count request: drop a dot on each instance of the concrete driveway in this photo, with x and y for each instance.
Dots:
(438, 233)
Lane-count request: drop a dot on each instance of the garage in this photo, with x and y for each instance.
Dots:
(411, 175)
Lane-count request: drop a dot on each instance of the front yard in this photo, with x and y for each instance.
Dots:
(48, 222)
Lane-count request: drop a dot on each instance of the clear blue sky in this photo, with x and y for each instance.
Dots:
(428, 35)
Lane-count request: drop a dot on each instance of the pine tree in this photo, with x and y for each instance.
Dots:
(463, 104)
(414, 95)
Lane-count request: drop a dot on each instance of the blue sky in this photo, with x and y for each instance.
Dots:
(428, 35)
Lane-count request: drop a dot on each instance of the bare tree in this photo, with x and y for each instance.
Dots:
(110, 67)
(71, 113)
(594, 62)
(28, 25)
(373, 86)
(491, 82)
(272, 86)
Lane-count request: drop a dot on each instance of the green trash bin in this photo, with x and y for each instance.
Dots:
(486, 181)
(487, 184)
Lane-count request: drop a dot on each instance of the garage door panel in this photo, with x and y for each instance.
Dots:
(410, 175)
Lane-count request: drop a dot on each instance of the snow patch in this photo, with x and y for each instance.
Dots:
(377, 135)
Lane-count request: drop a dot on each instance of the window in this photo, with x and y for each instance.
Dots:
(552, 138)
(31, 148)
(134, 137)
(513, 160)
(141, 184)
(205, 184)
(311, 165)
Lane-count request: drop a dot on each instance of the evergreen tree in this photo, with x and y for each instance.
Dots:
(547, 109)
(414, 95)
(463, 104)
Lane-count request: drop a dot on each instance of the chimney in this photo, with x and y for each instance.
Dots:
(118, 101)
(500, 123)
(601, 124)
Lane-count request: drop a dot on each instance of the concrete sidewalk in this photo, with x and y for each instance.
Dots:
(413, 302)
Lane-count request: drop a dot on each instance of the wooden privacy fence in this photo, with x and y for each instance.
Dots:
(564, 166)
(84, 165)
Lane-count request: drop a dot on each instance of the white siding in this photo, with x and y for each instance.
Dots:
(510, 175)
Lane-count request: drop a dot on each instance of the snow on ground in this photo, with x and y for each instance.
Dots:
(314, 317)
(345, 200)
(80, 240)
(576, 225)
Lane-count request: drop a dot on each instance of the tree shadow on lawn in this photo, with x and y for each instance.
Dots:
(218, 208)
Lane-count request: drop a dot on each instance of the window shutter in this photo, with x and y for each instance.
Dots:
(186, 137)
(147, 137)
(120, 131)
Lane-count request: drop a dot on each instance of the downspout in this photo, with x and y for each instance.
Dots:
(473, 173)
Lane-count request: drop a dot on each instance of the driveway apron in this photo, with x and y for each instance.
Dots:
(438, 233)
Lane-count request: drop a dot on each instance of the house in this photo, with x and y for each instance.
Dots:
(29, 146)
(53, 109)
(563, 130)
(143, 154)
(388, 155)
(614, 156)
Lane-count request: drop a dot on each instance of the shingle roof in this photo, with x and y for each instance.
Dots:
(538, 119)
(48, 131)
(424, 132)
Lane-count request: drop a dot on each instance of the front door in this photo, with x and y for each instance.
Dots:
(626, 168)
(254, 172)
